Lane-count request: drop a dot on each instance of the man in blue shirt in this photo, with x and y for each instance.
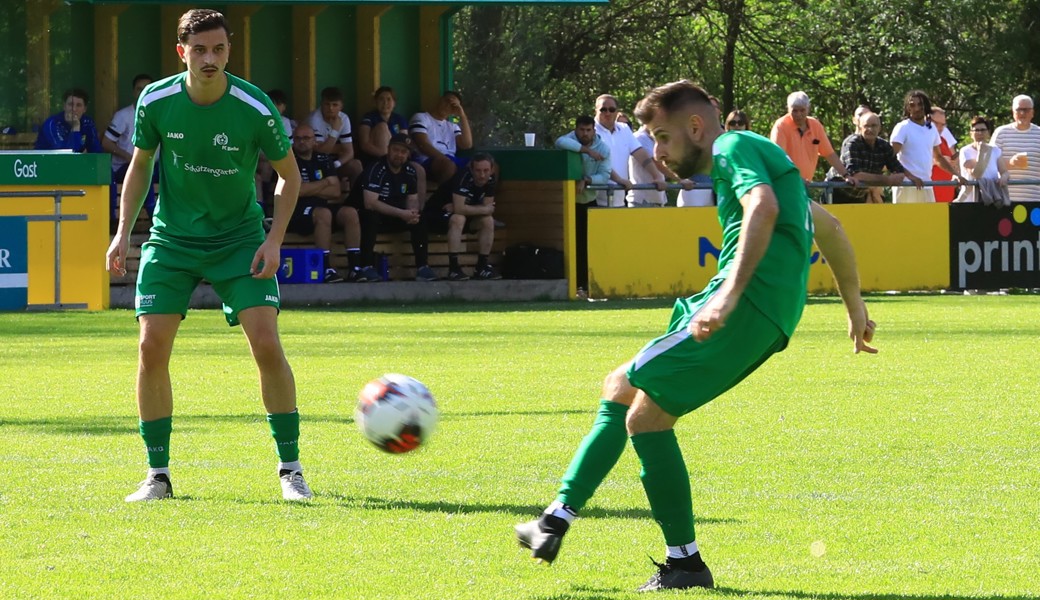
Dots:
(70, 129)
(595, 162)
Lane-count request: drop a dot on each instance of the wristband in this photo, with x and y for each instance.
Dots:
(337, 164)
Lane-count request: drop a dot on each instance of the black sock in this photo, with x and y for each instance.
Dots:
(481, 261)
(553, 524)
(325, 260)
(453, 261)
(689, 563)
(353, 258)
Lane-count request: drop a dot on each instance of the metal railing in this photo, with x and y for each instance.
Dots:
(57, 218)
(827, 186)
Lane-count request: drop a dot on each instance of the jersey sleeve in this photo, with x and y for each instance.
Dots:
(120, 125)
(898, 134)
(317, 123)
(146, 133)
(271, 134)
(371, 180)
(740, 165)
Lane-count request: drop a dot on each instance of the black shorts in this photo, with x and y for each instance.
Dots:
(302, 220)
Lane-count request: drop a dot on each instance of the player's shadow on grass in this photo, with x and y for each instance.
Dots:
(518, 510)
(727, 592)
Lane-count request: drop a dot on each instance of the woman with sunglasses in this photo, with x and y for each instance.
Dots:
(737, 121)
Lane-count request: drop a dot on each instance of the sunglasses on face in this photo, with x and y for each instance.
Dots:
(610, 109)
(979, 130)
(736, 123)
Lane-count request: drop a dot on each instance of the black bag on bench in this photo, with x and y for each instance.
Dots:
(524, 261)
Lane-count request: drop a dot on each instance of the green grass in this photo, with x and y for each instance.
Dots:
(917, 468)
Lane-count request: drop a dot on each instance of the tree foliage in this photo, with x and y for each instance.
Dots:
(534, 68)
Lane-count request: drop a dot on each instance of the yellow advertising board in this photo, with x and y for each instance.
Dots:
(642, 252)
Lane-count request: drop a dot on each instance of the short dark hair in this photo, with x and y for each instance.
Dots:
(77, 92)
(384, 88)
(198, 20)
(141, 76)
(278, 97)
(926, 104)
(584, 120)
(457, 95)
(676, 95)
(482, 157)
(980, 119)
(331, 94)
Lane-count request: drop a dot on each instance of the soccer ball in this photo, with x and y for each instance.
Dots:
(396, 413)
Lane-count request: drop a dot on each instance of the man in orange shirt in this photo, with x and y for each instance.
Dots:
(803, 138)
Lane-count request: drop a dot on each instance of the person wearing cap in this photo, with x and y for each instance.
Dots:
(387, 200)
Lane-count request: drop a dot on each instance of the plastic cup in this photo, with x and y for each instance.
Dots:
(529, 140)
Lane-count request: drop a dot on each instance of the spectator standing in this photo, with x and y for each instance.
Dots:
(467, 200)
(72, 129)
(391, 203)
(119, 142)
(1020, 143)
(437, 137)
(320, 205)
(737, 120)
(981, 161)
(644, 198)
(596, 169)
(947, 147)
(916, 142)
(866, 157)
(804, 138)
(622, 145)
(333, 135)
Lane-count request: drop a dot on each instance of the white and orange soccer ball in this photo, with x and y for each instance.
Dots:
(397, 413)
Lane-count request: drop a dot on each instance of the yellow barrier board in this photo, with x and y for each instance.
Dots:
(644, 252)
(84, 279)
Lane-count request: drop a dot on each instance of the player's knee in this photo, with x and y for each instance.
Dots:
(322, 216)
(616, 387)
(456, 222)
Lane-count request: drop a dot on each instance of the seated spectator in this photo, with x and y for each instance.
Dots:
(866, 157)
(71, 129)
(596, 170)
(390, 203)
(266, 178)
(737, 120)
(981, 161)
(378, 126)
(333, 135)
(803, 138)
(319, 205)
(119, 142)
(437, 138)
(468, 200)
(281, 102)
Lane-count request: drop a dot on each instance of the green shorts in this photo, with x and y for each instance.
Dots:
(681, 374)
(170, 272)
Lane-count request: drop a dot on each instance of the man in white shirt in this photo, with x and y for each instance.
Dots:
(916, 142)
(119, 142)
(437, 138)
(333, 136)
(1019, 141)
(622, 145)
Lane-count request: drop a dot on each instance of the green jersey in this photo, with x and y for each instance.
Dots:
(741, 161)
(208, 158)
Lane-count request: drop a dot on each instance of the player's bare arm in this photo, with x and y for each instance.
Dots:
(135, 188)
(464, 141)
(422, 142)
(840, 257)
(756, 230)
(286, 192)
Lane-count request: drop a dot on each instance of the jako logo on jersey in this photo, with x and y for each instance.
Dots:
(175, 135)
(221, 140)
(270, 298)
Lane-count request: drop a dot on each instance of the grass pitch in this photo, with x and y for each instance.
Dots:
(911, 474)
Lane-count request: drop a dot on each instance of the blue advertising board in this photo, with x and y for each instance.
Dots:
(14, 263)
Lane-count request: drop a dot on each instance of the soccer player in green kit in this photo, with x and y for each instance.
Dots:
(716, 338)
(208, 127)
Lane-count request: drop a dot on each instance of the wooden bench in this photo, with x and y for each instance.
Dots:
(396, 246)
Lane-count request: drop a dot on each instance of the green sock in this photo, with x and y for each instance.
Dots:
(667, 484)
(596, 456)
(156, 436)
(285, 429)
